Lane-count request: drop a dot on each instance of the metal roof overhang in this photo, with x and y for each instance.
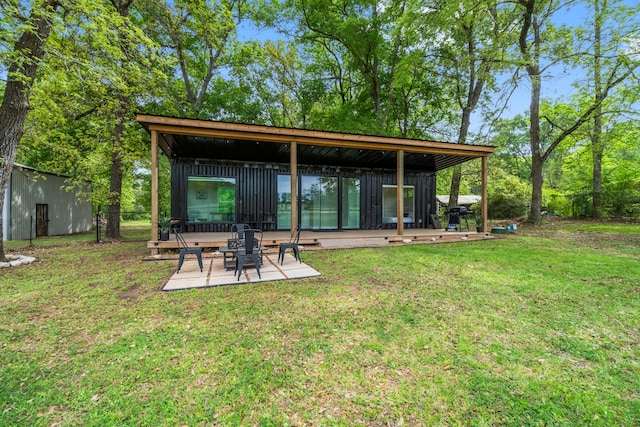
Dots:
(210, 140)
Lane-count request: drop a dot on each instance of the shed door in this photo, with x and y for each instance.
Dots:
(42, 220)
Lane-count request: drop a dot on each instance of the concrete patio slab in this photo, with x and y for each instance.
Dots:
(214, 273)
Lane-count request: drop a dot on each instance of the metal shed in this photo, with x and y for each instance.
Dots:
(38, 204)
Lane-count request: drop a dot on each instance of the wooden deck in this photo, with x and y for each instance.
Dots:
(330, 239)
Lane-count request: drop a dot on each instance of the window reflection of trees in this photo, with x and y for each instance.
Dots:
(319, 202)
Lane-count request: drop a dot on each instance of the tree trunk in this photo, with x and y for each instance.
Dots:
(115, 188)
(454, 191)
(465, 122)
(597, 144)
(117, 151)
(456, 177)
(537, 178)
(535, 212)
(597, 151)
(474, 90)
(530, 23)
(15, 102)
(537, 161)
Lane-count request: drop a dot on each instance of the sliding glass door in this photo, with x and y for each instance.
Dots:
(350, 203)
(319, 202)
(283, 217)
(324, 205)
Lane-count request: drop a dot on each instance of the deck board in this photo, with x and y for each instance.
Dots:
(330, 239)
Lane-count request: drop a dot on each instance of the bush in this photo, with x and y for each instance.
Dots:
(508, 197)
(556, 203)
(581, 204)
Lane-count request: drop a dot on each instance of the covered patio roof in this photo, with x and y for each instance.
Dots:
(196, 139)
(204, 139)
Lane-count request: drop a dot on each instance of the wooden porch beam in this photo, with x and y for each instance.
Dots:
(484, 193)
(400, 192)
(154, 187)
(294, 186)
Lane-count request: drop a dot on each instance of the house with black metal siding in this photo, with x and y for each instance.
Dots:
(275, 178)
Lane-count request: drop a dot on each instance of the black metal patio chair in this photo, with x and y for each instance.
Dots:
(291, 244)
(257, 243)
(237, 230)
(250, 251)
(186, 249)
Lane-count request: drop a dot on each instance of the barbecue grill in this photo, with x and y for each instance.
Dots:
(456, 215)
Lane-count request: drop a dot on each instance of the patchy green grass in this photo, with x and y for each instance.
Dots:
(538, 328)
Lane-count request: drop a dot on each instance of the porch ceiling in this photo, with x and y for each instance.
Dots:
(207, 140)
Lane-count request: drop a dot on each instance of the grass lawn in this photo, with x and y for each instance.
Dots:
(538, 328)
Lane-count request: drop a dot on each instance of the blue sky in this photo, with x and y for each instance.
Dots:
(558, 82)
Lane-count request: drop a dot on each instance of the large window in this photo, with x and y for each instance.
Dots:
(211, 199)
(390, 205)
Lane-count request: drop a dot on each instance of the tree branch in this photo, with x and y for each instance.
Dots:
(611, 83)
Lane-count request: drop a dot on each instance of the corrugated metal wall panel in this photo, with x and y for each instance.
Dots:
(67, 214)
(23, 205)
(6, 217)
(257, 191)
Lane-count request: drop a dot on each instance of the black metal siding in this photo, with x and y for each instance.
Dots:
(256, 186)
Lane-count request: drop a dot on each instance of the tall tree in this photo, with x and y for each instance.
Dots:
(535, 14)
(620, 170)
(23, 59)
(371, 60)
(83, 124)
(276, 76)
(614, 40)
(597, 143)
(201, 36)
(351, 34)
(121, 111)
(542, 46)
(471, 53)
